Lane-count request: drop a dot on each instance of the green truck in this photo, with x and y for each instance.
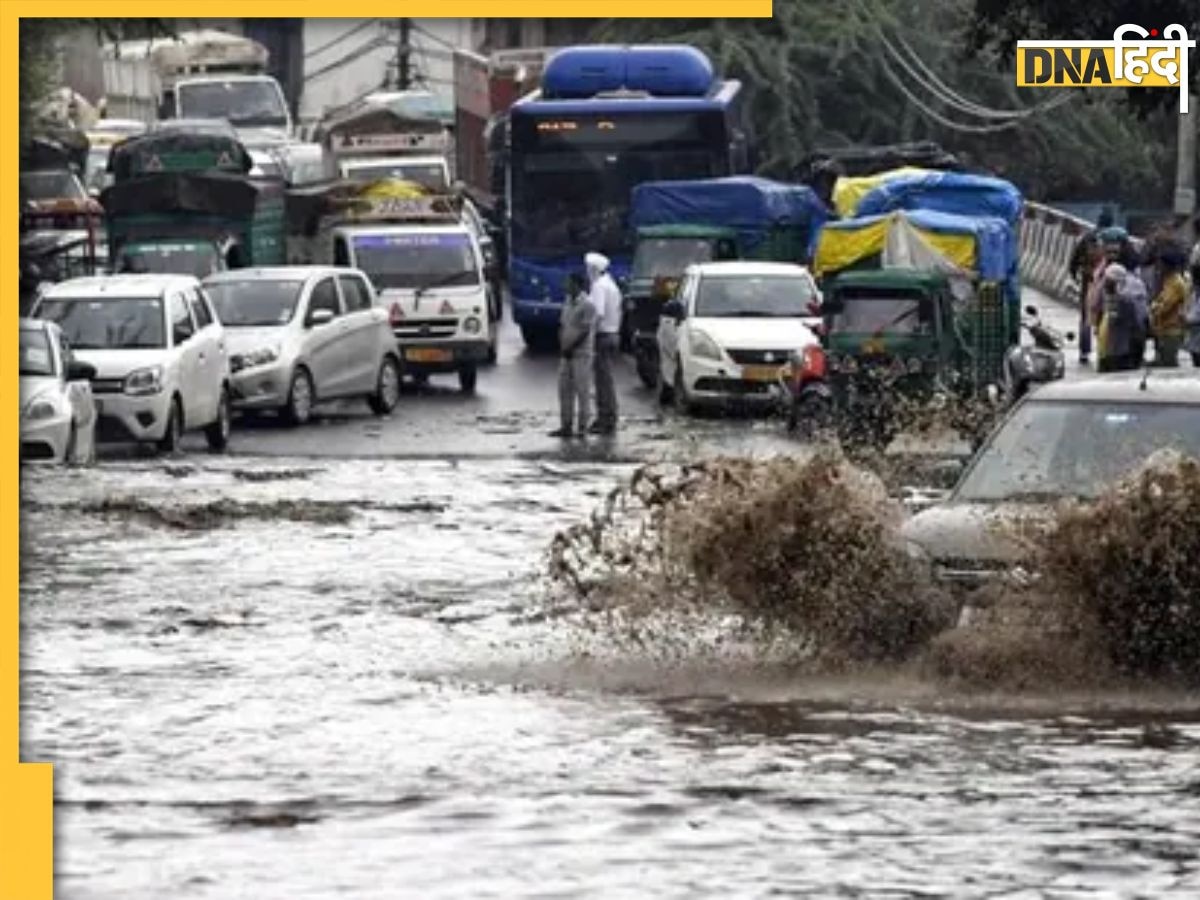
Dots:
(184, 203)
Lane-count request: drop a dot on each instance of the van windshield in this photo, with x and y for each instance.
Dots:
(116, 324)
(416, 260)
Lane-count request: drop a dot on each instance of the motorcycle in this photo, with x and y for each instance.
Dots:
(1028, 365)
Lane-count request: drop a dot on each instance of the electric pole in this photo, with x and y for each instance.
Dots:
(403, 54)
(1185, 169)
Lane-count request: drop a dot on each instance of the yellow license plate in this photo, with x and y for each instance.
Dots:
(761, 373)
(428, 356)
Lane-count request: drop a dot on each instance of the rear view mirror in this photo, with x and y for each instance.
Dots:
(77, 370)
(319, 317)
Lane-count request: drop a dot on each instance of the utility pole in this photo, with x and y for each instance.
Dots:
(1185, 170)
(403, 53)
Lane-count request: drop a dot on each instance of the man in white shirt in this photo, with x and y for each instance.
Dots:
(606, 297)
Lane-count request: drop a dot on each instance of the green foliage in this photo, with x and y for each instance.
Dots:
(818, 75)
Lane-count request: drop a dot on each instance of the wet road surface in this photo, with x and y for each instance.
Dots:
(316, 667)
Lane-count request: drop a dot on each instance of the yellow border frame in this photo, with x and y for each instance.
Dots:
(26, 789)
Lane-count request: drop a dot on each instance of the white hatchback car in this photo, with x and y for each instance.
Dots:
(730, 330)
(159, 354)
(299, 334)
(58, 415)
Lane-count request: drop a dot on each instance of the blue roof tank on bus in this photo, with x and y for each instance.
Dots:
(665, 70)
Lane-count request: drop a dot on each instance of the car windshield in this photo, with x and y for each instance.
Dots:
(54, 185)
(1060, 449)
(753, 296)
(416, 260)
(200, 260)
(869, 311)
(428, 175)
(36, 356)
(116, 324)
(255, 303)
(241, 102)
(669, 257)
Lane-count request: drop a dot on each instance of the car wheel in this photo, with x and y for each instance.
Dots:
(300, 398)
(217, 433)
(169, 442)
(387, 388)
(466, 379)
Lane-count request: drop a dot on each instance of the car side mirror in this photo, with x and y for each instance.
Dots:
(77, 370)
(319, 317)
(673, 309)
(179, 337)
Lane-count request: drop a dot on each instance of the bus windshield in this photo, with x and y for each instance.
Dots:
(572, 179)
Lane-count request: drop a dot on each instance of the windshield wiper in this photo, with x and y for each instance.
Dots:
(437, 282)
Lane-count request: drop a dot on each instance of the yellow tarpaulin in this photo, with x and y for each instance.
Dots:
(393, 189)
(848, 192)
(839, 248)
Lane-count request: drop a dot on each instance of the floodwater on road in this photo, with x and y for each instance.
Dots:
(319, 667)
(311, 677)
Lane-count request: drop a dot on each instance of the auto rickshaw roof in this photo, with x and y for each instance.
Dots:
(920, 279)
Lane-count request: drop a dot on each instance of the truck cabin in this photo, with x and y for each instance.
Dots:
(246, 101)
(178, 256)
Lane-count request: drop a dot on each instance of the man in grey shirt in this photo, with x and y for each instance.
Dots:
(606, 297)
(576, 337)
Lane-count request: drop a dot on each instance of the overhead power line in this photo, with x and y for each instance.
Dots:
(362, 26)
(348, 58)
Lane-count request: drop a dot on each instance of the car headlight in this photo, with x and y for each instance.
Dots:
(40, 409)
(702, 346)
(143, 382)
(261, 357)
(472, 325)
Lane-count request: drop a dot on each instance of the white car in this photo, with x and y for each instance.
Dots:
(299, 334)
(58, 415)
(1068, 439)
(159, 354)
(430, 278)
(730, 329)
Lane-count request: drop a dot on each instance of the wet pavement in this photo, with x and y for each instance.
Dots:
(318, 666)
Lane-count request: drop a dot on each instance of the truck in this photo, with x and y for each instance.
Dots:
(677, 223)
(185, 203)
(485, 88)
(423, 259)
(201, 74)
(398, 135)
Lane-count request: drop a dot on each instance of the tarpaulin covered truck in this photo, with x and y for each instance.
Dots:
(184, 203)
(677, 223)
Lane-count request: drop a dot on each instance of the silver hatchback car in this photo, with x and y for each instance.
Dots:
(302, 334)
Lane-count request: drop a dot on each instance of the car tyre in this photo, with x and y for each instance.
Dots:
(217, 433)
(300, 398)
(169, 442)
(387, 387)
(466, 378)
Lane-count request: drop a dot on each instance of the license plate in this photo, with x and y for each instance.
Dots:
(429, 356)
(761, 373)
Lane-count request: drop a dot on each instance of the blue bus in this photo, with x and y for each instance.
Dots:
(605, 120)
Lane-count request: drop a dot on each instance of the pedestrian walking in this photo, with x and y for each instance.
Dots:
(1082, 266)
(1167, 323)
(1119, 327)
(606, 297)
(576, 340)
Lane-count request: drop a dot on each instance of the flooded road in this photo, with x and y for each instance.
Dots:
(283, 673)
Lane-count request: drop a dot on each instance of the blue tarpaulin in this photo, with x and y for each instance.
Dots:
(746, 203)
(948, 192)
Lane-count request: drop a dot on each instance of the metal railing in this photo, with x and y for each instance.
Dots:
(1048, 238)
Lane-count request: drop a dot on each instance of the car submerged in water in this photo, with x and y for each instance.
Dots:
(1068, 440)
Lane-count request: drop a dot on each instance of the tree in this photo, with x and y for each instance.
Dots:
(999, 24)
(820, 75)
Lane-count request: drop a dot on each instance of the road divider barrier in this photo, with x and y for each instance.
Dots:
(1047, 239)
